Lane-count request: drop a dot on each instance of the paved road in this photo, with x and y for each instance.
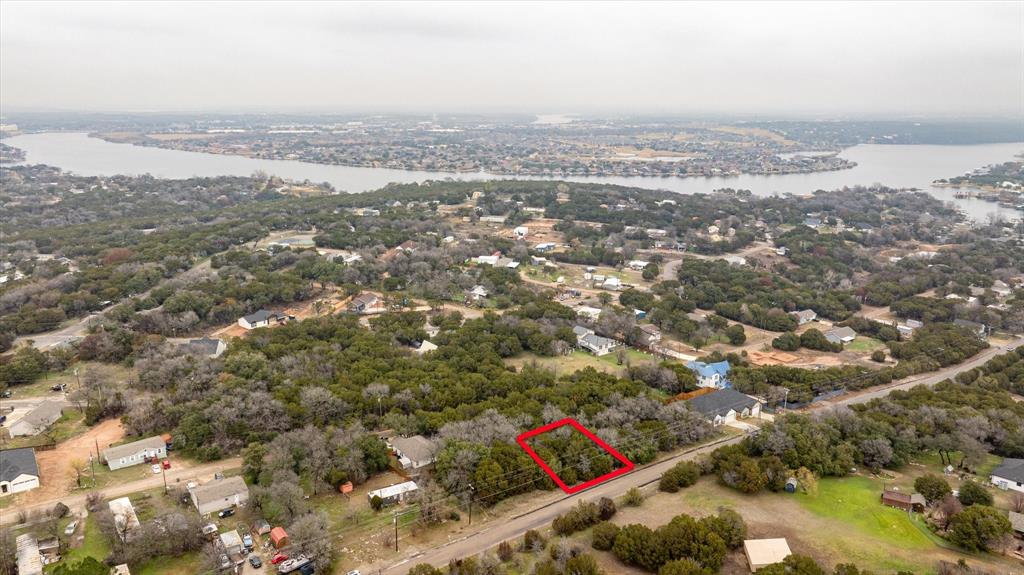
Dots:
(514, 527)
(928, 379)
(176, 475)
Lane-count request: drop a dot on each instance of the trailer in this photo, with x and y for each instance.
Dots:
(300, 564)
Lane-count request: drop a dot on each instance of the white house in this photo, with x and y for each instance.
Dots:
(261, 318)
(804, 316)
(413, 452)
(30, 562)
(710, 374)
(907, 329)
(764, 552)
(735, 260)
(220, 494)
(841, 335)
(36, 420)
(478, 293)
(595, 344)
(1009, 474)
(638, 265)
(394, 493)
(612, 283)
(18, 470)
(135, 452)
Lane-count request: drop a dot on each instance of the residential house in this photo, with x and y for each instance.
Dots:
(205, 346)
(656, 233)
(813, 223)
(638, 265)
(126, 522)
(18, 470)
(477, 294)
(710, 374)
(612, 283)
(905, 501)
(493, 219)
(735, 260)
(595, 344)
(135, 453)
(363, 303)
(544, 247)
(424, 347)
(841, 335)
(1000, 288)
(30, 562)
(804, 316)
(36, 420)
(725, 406)
(395, 493)
(979, 329)
(764, 552)
(591, 313)
(262, 318)
(1009, 474)
(414, 452)
(491, 260)
(1017, 523)
(220, 494)
(649, 334)
(907, 328)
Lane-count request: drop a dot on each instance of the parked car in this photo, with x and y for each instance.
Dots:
(255, 561)
(70, 529)
(278, 558)
(156, 469)
(225, 512)
(247, 541)
(6, 393)
(354, 572)
(58, 387)
(225, 563)
(167, 463)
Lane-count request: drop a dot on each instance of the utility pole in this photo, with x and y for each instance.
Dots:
(97, 442)
(472, 491)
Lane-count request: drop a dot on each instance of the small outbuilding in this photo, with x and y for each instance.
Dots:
(791, 485)
(279, 537)
(764, 552)
(231, 541)
(394, 493)
(260, 527)
(905, 501)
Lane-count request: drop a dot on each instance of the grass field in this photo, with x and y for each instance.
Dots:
(864, 345)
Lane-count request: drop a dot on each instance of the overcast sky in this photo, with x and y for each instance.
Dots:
(838, 59)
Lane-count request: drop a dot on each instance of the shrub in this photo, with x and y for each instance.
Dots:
(633, 497)
(424, 569)
(639, 545)
(505, 551)
(532, 540)
(376, 503)
(576, 519)
(683, 474)
(878, 356)
(603, 536)
(787, 342)
(606, 508)
(685, 566)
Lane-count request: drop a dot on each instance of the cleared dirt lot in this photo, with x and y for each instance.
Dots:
(57, 466)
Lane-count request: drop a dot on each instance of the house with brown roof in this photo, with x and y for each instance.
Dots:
(905, 501)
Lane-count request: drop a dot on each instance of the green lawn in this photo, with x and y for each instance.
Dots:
(864, 345)
(94, 545)
(854, 501)
(188, 563)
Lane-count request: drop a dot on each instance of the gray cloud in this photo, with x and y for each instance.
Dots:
(776, 58)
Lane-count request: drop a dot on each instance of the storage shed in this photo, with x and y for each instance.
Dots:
(279, 537)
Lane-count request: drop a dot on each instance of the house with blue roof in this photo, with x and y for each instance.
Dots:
(711, 374)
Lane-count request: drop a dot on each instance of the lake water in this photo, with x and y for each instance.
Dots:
(895, 166)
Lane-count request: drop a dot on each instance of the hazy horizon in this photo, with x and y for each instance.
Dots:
(841, 60)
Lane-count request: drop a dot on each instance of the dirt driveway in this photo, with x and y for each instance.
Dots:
(56, 467)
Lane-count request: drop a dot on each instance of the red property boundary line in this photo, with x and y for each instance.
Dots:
(627, 465)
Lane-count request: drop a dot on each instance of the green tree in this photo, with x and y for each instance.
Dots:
(735, 334)
(979, 527)
(639, 545)
(685, 566)
(793, 565)
(787, 342)
(972, 493)
(933, 487)
(603, 536)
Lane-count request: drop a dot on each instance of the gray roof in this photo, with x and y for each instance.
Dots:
(219, 489)
(597, 341)
(805, 313)
(14, 462)
(119, 451)
(366, 299)
(579, 330)
(262, 315)
(44, 414)
(836, 335)
(417, 447)
(720, 402)
(1010, 468)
